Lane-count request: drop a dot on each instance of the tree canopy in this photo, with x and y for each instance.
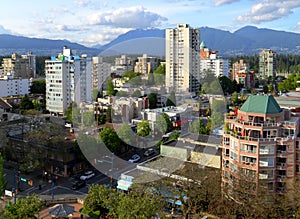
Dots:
(110, 89)
(171, 101)
(143, 128)
(27, 207)
(110, 139)
(38, 87)
(119, 204)
(163, 123)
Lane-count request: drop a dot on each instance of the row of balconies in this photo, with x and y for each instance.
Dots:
(263, 123)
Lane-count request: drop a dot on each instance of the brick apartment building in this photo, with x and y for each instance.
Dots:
(261, 144)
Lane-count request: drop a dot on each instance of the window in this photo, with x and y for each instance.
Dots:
(266, 162)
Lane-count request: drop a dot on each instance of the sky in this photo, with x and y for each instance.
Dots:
(97, 22)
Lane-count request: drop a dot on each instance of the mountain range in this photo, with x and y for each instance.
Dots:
(248, 40)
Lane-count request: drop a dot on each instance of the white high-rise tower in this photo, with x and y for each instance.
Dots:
(182, 58)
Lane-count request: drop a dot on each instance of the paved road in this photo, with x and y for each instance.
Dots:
(62, 187)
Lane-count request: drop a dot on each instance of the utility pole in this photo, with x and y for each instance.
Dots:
(112, 166)
(15, 185)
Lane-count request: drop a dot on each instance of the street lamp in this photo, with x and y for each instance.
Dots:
(111, 157)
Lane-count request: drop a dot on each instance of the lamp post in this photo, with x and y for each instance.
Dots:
(112, 166)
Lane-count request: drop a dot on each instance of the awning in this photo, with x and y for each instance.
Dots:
(122, 188)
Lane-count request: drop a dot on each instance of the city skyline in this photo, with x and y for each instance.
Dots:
(91, 22)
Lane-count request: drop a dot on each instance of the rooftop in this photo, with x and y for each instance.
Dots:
(261, 104)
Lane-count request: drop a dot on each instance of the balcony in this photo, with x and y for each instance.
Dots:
(280, 153)
(281, 178)
(260, 124)
(280, 190)
(281, 166)
(249, 151)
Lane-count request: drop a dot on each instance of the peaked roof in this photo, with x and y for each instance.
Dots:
(4, 104)
(202, 45)
(261, 104)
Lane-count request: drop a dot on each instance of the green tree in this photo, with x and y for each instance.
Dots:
(126, 134)
(96, 199)
(159, 75)
(235, 97)
(110, 89)
(163, 123)
(198, 127)
(27, 207)
(108, 114)
(143, 128)
(137, 205)
(122, 93)
(152, 100)
(171, 101)
(136, 93)
(72, 113)
(160, 70)
(130, 74)
(38, 87)
(217, 119)
(26, 103)
(150, 79)
(110, 139)
(3, 182)
(265, 89)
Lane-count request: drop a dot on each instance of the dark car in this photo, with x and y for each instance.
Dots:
(78, 184)
(149, 152)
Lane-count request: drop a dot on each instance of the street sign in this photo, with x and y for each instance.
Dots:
(23, 179)
(8, 193)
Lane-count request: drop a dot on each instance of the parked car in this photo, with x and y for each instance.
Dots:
(134, 158)
(149, 152)
(78, 184)
(87, 175)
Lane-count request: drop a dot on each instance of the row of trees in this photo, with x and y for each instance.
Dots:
(126, 136)
(102, 200)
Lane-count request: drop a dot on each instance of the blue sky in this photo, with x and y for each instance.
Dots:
(91, 22)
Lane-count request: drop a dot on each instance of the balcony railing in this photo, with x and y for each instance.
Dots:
(248, 151)
(281, 166)
(281, 178)
(281, 153)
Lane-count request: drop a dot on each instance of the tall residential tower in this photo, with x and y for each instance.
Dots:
(182, 58)
(68, 79)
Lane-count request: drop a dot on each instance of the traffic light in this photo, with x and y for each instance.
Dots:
(30, 182)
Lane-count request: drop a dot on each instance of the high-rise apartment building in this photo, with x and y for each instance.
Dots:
(146, 64)
(261, 147)
(20, 66)
(211, 62)
(68, 79)
(267, 63)
(100, 72)
(183, 58)
(240, 72)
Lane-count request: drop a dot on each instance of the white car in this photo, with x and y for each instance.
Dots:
(87, 175)
(134, 158)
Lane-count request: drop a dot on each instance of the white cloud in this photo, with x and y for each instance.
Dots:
(269, 11)
(82, 3)
(3, 30)
(132, 17)
(298, 26)
(223, 2)
(62, 27)
(104, 36)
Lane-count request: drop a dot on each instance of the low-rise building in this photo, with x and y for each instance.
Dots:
(11, 86)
